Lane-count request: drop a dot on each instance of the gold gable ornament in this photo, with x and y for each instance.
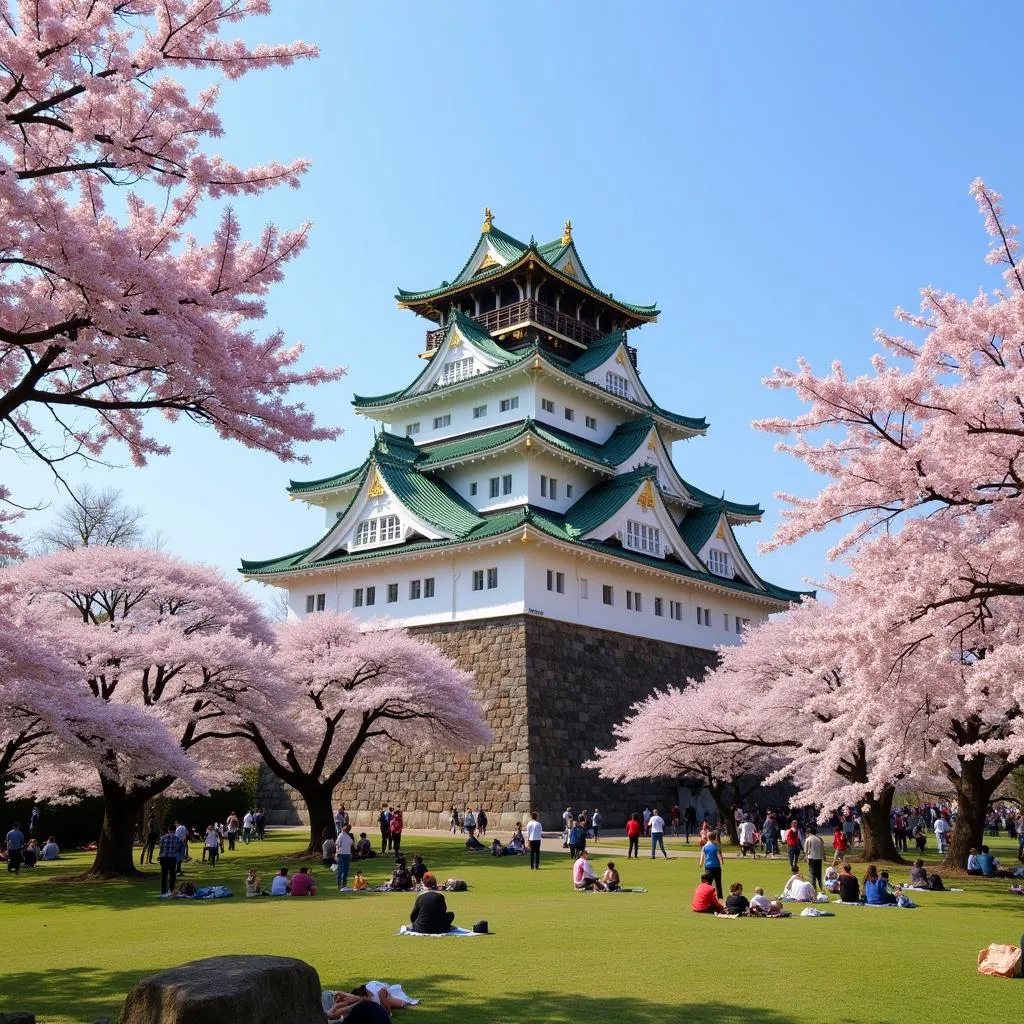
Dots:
(488, 221)
(487, 262)
(568, 268)
(456, 341)
(376, 487)
(645, 499)
(652, 445)
(720, 532)
(620, 358)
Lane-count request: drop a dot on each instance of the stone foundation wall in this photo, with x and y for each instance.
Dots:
(551, 692)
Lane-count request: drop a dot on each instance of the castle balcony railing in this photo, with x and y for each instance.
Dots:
(529, 311)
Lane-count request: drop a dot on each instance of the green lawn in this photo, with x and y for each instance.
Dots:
(72, 951)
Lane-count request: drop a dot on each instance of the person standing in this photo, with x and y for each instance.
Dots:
(657, 827)
(384, 822)
(212, 845)
(33, 822)
(595, 823)
(15, 848)
(469, 821)
(675, 817)
(534, 833)
(259, 821)
(838, 845)
(170, 856)
(149, 847)
(247, 827)
(481, 821)
(814, 851)
(454, 824)
(343, 855)
(745, 833)
(181, 831)
(689, 821)
(395, 825)
(232, 826)
(647, 820)
(941, 829)
(633, 830)
(792, 839)
(711, 861)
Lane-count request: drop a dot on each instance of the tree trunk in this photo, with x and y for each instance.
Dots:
(875, 826)
(317, 797)
(114, 851)
(973, 791)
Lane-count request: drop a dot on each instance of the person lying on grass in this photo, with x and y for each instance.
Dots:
(798, 888)
(583, 875)
(344, 1002)
(705, 899)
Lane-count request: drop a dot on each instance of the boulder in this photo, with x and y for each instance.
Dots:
(249, 989)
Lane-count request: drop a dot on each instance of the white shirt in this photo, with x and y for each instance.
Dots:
(345, 843)
(213, 840)
(799, 890)
(941, 826)
(181, 832)
(582, 869)
(247, 820)
(761, 903)
(657, 823)
(534, 830)
(279, 887)
(746, 832)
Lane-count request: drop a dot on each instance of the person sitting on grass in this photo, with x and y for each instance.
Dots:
(252, 884)
(430, 881)
(497, 850)
(329, 848)
(418, 869)
(760, 905)
(736, 902)
(303, 883)
(831, 879)
(363, 848)
(705, 899)
(849, 887)
(430, 914)
(359, 882)
(281, 884)
(919, 876)
(517, 844)
(473, 845)
(973, 864)
(401, 880)
(583, 876)
(610, 879)
(51, 851)
(31, 854)
(798, 888)
(876, 888)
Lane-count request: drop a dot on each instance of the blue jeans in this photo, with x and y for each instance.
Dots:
(793, 852)
(344, 860)
(658, 839)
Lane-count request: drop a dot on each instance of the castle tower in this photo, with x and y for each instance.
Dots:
(520, 507)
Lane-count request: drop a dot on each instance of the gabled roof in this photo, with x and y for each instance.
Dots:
(600, 503)
(516, 254)
(732, 508)
(427, 497)
(327, 483)
(690, 424)
(697, 526)
(600, 352)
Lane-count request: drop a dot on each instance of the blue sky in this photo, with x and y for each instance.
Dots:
(777, 177)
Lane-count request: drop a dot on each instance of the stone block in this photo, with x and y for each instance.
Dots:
(254, 989)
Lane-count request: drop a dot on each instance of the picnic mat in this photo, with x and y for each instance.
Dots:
(454, 933)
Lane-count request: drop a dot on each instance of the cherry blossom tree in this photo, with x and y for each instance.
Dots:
(923, 460)
(163, 657)
(356, 692)
(109, 307)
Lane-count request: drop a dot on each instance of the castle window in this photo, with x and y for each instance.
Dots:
(383, 528)
(472, 489)
(371, 595)
(703, 616)
(442, 421)
(415, 589)
(718, 562)
(553, 489)
(641, 537)
(357, 597)
(543, 486)
(508, 404)
(608, 594)
(556, 581)
(492, 579)
(675, 610)
(742, 624)
(570, 414)
(412, 428)
(321, 602)
(479, 411)
(584, 588)
(633, 601)
(458, 369)
(569, 490)
(495, 483)
(591, 423)
(547, 405)
(506, 484)
(616, 384)
(725, 617)
(392, 593)
(658, 607)
(478, 579)
(428, 587)
(310, 603)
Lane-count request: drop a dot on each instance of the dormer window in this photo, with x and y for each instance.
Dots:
(641, 537)
(458, 369)
(378, 530)
(718, 562)
(616, 384)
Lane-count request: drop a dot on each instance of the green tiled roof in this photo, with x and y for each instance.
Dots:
(734, 507)
(515, 251)
(600, 351)
(326, 483)
(625, 439)
(600, 503)
(698, 525)
(470, 329)
(549, 523)
(428, 497)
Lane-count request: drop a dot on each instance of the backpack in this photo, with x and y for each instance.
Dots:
(935, 883)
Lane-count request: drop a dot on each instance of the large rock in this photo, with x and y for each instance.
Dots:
(249, 989)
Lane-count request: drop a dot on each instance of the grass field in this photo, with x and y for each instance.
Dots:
(72, 951)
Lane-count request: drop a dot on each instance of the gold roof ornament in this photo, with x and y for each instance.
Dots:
(567, 233)
(720, 532)
(376, 487)
(488, 221)
(488, 261)
(645, 499)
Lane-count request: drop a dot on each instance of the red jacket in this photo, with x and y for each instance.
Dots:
(705, 899)
(633, 828)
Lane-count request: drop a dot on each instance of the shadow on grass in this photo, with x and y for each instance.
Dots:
(79, 993)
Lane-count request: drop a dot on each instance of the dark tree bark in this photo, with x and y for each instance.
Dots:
(974, 791)
(122, 808)
(875, 827)
(318, 798)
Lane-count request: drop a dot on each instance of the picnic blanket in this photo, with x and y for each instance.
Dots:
(883, 906)
(924, 888)
(454, 933)
(209, 892)
(374, 988)
(815, 912)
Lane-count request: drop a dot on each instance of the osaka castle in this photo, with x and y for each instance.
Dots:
(521, 507)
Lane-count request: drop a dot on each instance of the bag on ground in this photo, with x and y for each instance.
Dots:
(1000, 961)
